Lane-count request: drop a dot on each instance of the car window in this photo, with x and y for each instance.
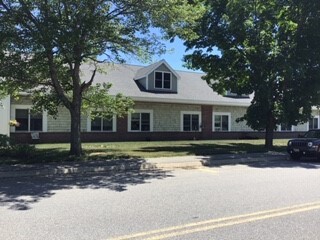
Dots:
(312, 134)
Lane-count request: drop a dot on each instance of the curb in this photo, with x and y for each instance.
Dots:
(62, 170)
(189, 162)
(244, 160)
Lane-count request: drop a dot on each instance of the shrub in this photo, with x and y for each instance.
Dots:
(24, 151)
(5, 141)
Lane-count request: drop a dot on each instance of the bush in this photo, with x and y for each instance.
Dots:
(19, 151)
(5, 141)
(24, 151)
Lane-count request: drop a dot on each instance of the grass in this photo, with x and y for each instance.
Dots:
(128, 150)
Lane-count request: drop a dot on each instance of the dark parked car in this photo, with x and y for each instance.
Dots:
(308, 145)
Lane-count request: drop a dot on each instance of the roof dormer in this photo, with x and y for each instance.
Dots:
(158, 77)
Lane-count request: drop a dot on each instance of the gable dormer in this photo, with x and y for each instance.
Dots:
(158, 77)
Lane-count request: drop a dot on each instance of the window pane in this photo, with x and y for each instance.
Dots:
(107, 124)
(217, 123)
(135, 121)
(167, 76)
(35, 121)
(195, 122)
(96, 124)
(186, 122)
(313, 123)
(158, 84)
(158, 80)
(145, 121)
(159, 76)
(167, 84)
(167, 81)
(22, 116)
(225, 123)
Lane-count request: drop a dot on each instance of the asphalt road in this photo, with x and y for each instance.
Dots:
(254, 201)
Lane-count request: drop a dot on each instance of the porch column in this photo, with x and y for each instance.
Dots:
(5, 116)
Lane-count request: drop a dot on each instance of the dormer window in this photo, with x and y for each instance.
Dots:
(162, 80)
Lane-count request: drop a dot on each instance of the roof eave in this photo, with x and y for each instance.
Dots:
(189, 101)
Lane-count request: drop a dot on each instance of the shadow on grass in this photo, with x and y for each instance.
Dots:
(60, 155)
(21, 193)
(212, 149)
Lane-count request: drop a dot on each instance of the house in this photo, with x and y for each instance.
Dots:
(169, 105)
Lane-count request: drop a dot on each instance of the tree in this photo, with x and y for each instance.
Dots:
(266, 48)
(44, 43)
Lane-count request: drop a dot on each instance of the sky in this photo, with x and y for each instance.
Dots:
(174, 55)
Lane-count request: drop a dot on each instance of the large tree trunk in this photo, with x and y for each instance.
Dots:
(75, 136)
(269, 131)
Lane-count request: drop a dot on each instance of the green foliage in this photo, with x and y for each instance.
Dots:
(99, 104)
(18, 151)
(5, 141)
(43, 45)
(266, 48)
(22, 151)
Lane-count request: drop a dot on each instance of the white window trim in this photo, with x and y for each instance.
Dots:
(141, 111)
(44, 118)
(154, 82)
(114, 125)
(220, 114)
(189, 113)
(317, 117)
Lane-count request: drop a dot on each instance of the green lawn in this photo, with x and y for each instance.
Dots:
(127, 150)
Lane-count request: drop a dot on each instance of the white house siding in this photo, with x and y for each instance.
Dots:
(236, 112)
(301, 127)
(167, 117)
(5, 116)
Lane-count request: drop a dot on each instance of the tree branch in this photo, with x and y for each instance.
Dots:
(84, 85)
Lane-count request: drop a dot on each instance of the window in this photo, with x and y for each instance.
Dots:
(221, 122)
(28, 120)
(190, 121)
(140, 121)
(314, 123)
(162, 80)
(235, 95)
(284, 127)
(102, 124)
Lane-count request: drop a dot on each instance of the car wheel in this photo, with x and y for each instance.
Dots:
(295, 156)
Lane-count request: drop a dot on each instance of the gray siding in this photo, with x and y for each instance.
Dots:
(62, 122)
(236, 112)
(143, 82)
(167, 117)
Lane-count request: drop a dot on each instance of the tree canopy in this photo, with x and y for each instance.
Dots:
(43, 44)
(266, 48)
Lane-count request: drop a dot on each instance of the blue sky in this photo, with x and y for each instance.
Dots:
(174, 55)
